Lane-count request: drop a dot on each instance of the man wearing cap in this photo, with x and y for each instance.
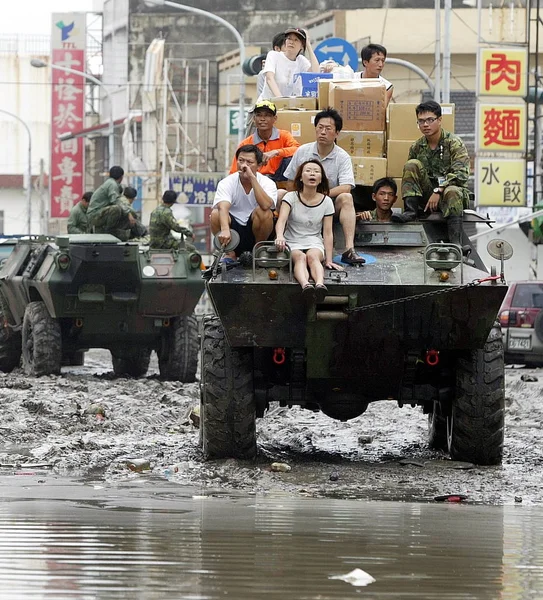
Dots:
(162, 223)
(277, 145)
(244, 201)
(281, 67)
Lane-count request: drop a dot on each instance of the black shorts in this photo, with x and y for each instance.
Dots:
(246, 236)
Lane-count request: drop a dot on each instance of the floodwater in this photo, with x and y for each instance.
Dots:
(148, 538)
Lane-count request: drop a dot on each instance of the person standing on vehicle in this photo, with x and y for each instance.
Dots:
(384, 195)
(244, 201)
(305, 224)
(282, 67)
(77, 221)
(436, 174)
(277, 145)
(339, 171)
(162, 223)
(107, 213)
(373, 60)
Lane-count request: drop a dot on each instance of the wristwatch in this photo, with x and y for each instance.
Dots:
(437, 190)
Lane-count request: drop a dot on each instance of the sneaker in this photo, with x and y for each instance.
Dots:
(320, 293)
(350, 257)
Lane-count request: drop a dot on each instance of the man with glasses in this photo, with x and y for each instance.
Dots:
(436, 174)
(277, 145)
(339, 171)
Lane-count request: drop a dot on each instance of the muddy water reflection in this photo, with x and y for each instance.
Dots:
(150, 540)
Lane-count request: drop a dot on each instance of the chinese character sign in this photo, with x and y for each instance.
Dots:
(503, 71)
(501, 182)
(68, 112)
(501, 127)
(197, 188)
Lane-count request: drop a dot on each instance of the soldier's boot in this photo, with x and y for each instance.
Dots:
(411, 204)
(454, 229)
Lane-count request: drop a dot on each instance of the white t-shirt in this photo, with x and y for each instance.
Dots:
(285, 70)
(242, 204)
(304, 223)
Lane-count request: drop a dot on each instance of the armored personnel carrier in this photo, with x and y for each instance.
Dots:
(415, 325)
(60, 296)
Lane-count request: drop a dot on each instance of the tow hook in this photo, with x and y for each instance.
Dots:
(432, 357)
(279, 356)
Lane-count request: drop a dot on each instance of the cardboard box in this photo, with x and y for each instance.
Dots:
(362, 143)
(361, 103)
(300, 123)
(324, 90)
(290, 102)
(397, 153)
(310, 82)
(402, 121)
(368, 169)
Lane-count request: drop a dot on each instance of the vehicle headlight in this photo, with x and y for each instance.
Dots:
(149, 271)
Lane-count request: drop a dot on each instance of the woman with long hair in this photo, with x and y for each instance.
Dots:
(305, 224)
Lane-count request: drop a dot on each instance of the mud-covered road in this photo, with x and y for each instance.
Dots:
(87, 422)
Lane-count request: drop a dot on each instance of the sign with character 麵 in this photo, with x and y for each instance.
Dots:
(501, 182)
(501, 127)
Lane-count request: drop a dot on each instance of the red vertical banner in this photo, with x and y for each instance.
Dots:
(67, 112)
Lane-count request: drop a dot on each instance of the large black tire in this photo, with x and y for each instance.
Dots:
(227, 407)
(437, 428)
(132, 364)
(178, 355)
(75, 359)
(41, 341)
(476, 426)
(10, 347)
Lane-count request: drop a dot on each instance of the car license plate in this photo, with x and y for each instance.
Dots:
(524, 343)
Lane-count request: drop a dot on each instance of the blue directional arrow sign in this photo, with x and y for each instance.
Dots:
(340, 50)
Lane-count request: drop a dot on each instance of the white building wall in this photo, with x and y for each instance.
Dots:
(26, 92)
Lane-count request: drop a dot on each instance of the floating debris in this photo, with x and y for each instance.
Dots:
(357, 577)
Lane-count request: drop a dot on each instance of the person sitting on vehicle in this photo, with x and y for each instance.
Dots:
(244, 201)
(162, 223)
(277, 145)
(77, 221)
(138, 230)
(373, 60)
(107, 213)
(339, 172)
(305, 224)
(436, 173)
(281, 68)
(384, 195)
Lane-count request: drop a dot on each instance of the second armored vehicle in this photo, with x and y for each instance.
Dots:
(59, 296)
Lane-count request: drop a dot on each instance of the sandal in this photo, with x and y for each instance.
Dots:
(308, 292)
(321, 292)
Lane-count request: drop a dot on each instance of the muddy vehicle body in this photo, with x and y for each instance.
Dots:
(60, 296)
(415, 325)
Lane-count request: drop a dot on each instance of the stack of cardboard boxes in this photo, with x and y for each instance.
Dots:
(378, 147)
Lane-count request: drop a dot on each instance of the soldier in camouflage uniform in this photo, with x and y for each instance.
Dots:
(436, 174)
(384, 195)
(106, 213)
(138, 230)
(77, 221)
(163, 222)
